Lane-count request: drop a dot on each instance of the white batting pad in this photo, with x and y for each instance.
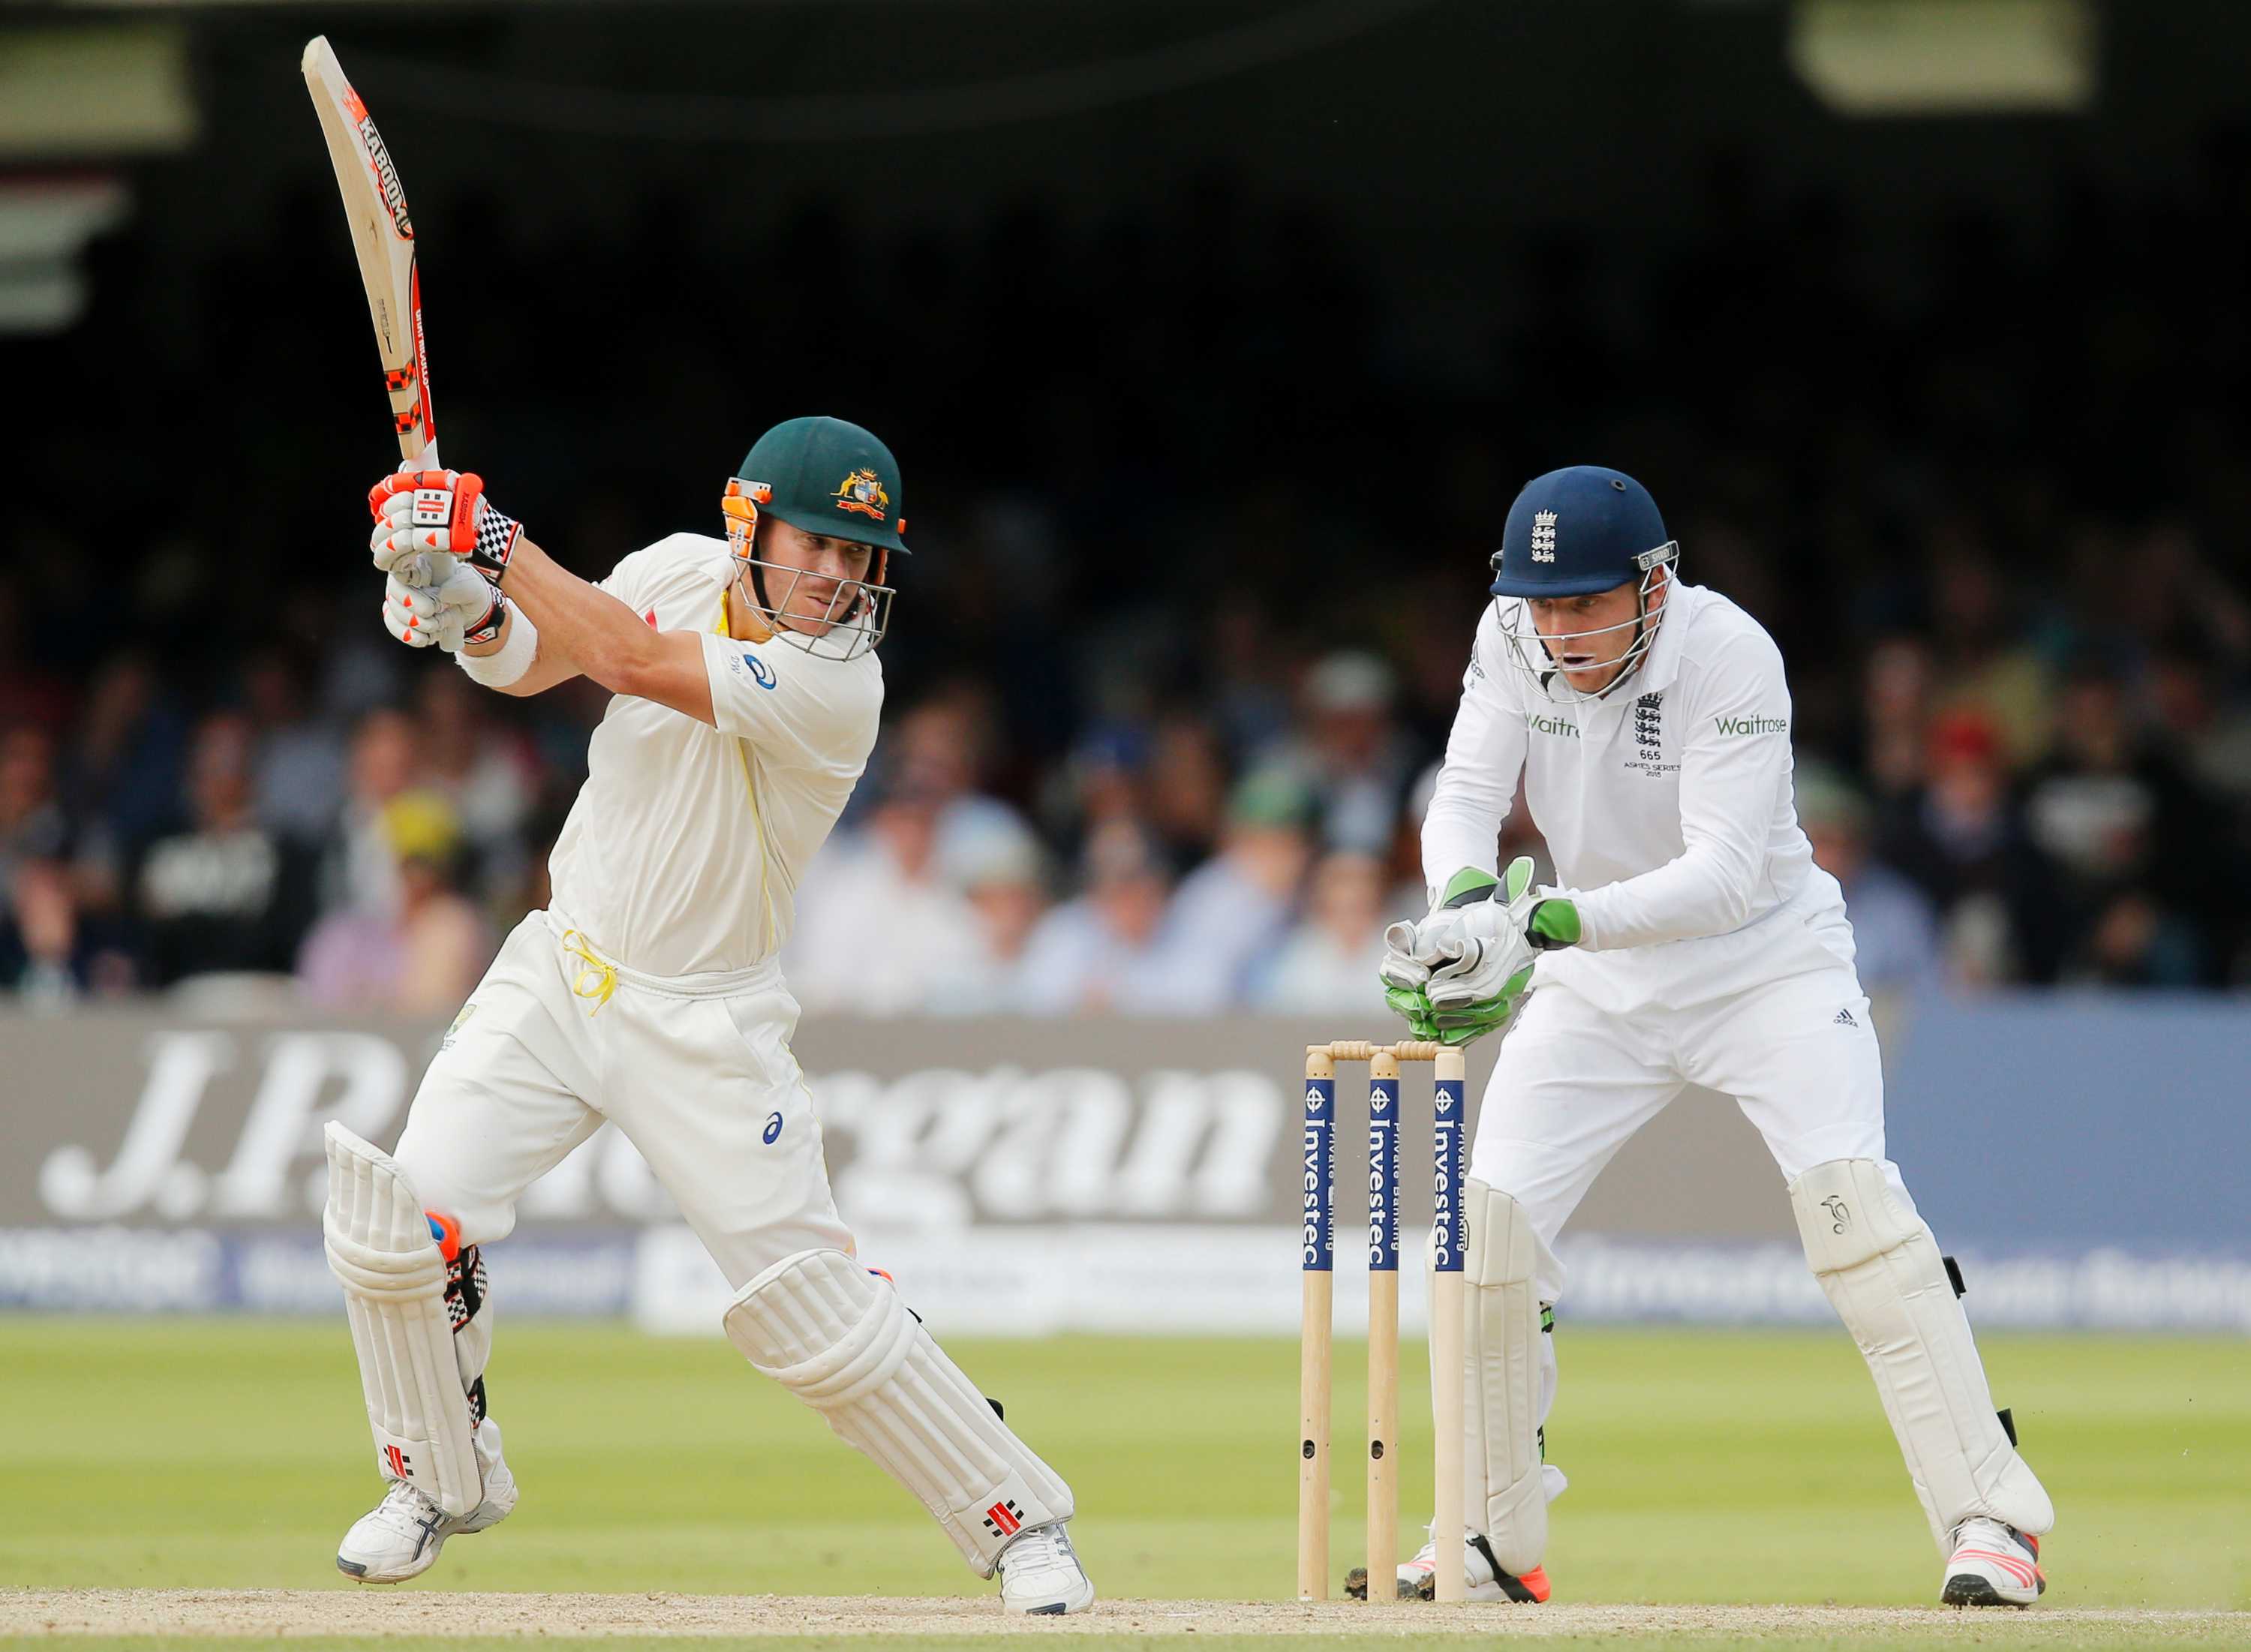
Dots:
(1505, 1495)
(839, 1338)
(394, 1279)
(1881, 1269)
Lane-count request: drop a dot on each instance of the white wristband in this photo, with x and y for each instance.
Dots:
(512, 659)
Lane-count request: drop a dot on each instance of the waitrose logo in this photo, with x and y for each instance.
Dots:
(1553, 725)
(1751, 725)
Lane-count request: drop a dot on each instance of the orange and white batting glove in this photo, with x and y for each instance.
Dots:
(462, 608)
(439, 513)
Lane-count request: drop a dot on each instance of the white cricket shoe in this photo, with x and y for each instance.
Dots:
(1482, 1579)
(1993, 1564)
(400, 1537)
(1040, 1573)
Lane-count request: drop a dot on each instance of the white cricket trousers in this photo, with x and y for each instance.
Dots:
(696, 1071)
(1799, 1056)
(1573, 1083)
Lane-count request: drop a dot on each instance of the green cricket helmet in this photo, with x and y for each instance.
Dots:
(821, 476)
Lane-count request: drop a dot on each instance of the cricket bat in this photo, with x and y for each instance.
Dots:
(383, 237)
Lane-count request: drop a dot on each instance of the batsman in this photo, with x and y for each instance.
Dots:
(1692, 941)
(747, 694)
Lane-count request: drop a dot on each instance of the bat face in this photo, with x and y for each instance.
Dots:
(383, 240)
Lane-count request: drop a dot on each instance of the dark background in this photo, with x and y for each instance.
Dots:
(1192, 388)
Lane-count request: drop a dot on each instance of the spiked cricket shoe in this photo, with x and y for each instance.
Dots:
(400, 1537)
(1482, 1579)
(1993, 1564)
(1040, 1573)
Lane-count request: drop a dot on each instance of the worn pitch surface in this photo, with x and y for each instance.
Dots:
(422, 1615)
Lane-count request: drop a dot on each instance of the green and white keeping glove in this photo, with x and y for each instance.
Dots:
(1457, 974)
(1496, 944)
(1413, 951)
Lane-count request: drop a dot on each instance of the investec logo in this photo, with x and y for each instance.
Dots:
(1445, 1197)
(1382, 1155)
(1313, 1147)
(1553, 725)
(1751, 725)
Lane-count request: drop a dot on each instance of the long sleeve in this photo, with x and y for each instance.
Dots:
(1485, 755)
(1735, 766)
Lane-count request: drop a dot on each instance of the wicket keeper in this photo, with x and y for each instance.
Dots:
(1693, 941)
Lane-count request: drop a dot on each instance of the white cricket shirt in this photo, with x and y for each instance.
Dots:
(1667, 805)
(682, 853)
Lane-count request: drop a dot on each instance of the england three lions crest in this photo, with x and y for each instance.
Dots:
(862, 493)
(1543, 535)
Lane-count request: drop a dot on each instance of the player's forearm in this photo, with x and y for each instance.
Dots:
(1707, 889)
(604, 638)
(1476, 786)
(1462, 827)
(580, 621)
(1469, 800)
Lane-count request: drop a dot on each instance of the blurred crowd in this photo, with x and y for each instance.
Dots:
(1177, 653)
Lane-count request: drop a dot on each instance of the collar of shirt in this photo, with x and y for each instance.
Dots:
(1662, 663)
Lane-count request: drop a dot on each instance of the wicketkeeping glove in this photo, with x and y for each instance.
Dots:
(1458, 973)
(1498, 939)
(1414, 1004)
(464, 608)
(1413, 951)
(439, 513)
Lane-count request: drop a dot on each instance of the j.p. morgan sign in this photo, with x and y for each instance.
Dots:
(129, 1119)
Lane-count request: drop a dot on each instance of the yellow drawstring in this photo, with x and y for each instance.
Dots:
(603, 973)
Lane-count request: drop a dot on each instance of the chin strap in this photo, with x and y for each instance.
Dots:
(762, 612)
(865, 608)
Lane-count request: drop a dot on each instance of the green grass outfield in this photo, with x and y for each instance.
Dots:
(1706, 1467)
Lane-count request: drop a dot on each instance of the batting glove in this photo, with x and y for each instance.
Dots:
(432, 513)
(463, 609)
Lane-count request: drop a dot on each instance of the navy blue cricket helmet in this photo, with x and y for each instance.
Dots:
(1578, 530)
